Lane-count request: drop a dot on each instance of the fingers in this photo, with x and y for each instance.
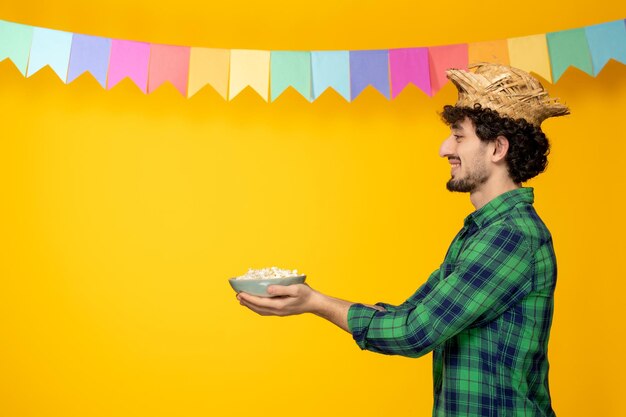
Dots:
(283, 290)
(264, 302)
(263, 306)
(259, 310)
(286, 300)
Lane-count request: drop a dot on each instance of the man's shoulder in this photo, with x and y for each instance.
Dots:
(523, 220)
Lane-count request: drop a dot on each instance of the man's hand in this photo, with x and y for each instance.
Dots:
(297, 299)
(287, 300)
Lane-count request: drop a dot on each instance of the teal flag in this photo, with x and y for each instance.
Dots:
(566, 48)
(290, 69)
(15, 40)
(606, 41)
(50, 47)
(331, 69)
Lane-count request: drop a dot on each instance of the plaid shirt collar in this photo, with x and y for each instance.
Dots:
(500, 206)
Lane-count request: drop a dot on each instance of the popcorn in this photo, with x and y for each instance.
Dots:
(269, 273)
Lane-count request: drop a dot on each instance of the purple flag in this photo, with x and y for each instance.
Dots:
(409, 65)
(89, 53)
(369, 68)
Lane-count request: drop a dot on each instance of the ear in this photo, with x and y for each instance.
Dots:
(500, 149)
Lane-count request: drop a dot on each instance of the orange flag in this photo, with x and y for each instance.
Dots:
(495, 52)
(209, 66)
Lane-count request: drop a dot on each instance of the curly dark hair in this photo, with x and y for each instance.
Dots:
(528, 145)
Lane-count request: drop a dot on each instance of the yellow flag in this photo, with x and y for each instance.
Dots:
(530, 53)
(249, 68)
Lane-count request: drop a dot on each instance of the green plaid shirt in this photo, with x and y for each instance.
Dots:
(485, 314)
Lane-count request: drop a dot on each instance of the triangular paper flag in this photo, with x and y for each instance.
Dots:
(249, 68)
(129, 59)
(369, 68)
(409, 65)
(15, 41)
(89, 53)
(530, 53)
(290, 69)
(50, 47)
(495, 52)
(569, 47)
(209, 66)
(443, 58)
(606, 41)
(331, 69)
(169, 63)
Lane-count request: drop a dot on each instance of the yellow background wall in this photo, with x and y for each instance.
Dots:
(122, 216)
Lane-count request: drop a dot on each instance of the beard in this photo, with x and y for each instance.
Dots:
(471, 182)
(465, 185)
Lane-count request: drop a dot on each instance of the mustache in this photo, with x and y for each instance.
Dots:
(454, 158)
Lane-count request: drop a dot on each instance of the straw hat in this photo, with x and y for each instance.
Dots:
(509, 91)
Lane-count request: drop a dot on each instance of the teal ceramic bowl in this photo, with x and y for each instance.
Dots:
(258, 287)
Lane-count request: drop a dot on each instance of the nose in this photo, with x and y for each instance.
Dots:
(447, 147)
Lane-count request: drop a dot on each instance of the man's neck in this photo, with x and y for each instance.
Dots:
(490, 190)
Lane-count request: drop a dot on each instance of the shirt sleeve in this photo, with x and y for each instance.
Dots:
(412, 301)
(492, 274)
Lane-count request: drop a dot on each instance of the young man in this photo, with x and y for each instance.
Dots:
(486, 312)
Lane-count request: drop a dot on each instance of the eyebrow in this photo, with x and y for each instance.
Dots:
(456, 126)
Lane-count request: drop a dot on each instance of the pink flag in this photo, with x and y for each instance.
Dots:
(129, 59)
(442, 58)
(409, 65)
(169, 63)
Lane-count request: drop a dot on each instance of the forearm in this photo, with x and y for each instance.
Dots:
(300, 298)
(335, 310)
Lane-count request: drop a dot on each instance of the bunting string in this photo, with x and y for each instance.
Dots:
(310, 73)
